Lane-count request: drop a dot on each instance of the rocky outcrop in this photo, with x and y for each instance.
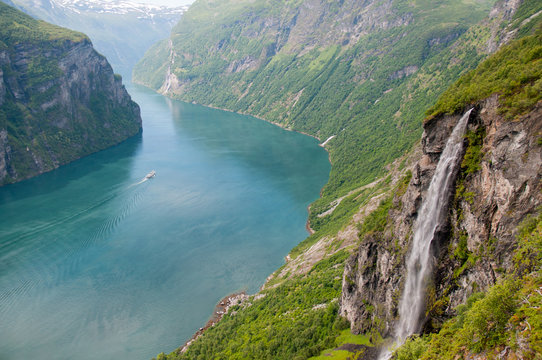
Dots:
(498, 186)
(60, 100)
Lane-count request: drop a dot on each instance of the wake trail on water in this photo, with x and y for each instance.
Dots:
(141, 182)
(48, 225)
(54, 270)
(72, 216)
(113, 222)
(46, 229)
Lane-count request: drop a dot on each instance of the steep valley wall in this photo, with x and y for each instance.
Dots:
(498, 186)
(59, 99)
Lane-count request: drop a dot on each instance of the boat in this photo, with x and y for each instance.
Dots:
(150, 175)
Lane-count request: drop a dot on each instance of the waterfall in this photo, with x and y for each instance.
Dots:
(432, 214)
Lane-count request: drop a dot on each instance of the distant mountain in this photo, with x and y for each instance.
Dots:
(59, 98)
(121, 30)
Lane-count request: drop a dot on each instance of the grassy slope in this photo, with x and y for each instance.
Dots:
(17, 27)
(514, 73)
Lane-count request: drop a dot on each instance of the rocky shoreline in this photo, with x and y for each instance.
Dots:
(220, 309)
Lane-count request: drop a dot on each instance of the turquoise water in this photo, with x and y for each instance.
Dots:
(95, 264)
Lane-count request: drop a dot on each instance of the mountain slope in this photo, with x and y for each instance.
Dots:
(481, 242)
(120, 30)
(496, 218)
(59, 99)
(344, 69)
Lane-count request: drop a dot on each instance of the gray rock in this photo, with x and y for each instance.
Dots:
(64, 117)
(502, 193)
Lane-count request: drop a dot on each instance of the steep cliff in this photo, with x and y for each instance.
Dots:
(498, 187)
(59, 98)
(121, 31)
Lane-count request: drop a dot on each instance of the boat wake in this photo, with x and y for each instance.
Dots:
(141, 182)
(127, 205)
(147, 177)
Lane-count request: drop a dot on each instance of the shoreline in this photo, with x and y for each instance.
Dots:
(221, 308)
(308, 223)
(233, 299)
(322, 145)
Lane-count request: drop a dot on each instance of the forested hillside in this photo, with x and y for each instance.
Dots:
(363, 72)
(374, 75)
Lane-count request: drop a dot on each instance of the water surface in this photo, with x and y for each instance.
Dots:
(96, 264)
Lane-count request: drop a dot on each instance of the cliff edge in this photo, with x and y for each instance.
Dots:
(59, 98)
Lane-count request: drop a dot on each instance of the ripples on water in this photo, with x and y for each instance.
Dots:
(95, 264)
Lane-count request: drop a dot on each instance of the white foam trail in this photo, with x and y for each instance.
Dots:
(138, 183)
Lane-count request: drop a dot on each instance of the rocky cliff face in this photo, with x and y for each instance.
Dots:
(59, 99)
(499, 184)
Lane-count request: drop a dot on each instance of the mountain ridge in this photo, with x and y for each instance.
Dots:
(121, 30)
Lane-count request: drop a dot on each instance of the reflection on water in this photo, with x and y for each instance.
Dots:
(96, 265)
(62, 176)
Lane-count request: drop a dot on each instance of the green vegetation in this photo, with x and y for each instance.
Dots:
(528, 255)
(43, 132)
(375, 221)
(345, 341)
(329, 225)
(378, 219)
(295, 320)
(507, 315)
(371, 93)
(514, 72)
(17, 27)
(473, 155)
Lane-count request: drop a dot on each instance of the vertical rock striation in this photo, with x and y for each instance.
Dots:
(59, 98)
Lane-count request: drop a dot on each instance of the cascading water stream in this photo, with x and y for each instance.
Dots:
(431, 215)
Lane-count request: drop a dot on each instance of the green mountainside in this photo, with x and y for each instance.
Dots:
(300, 66)
(323, 68)
(121, 34)
(295, 315)
(19, 28)
(59, 99)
